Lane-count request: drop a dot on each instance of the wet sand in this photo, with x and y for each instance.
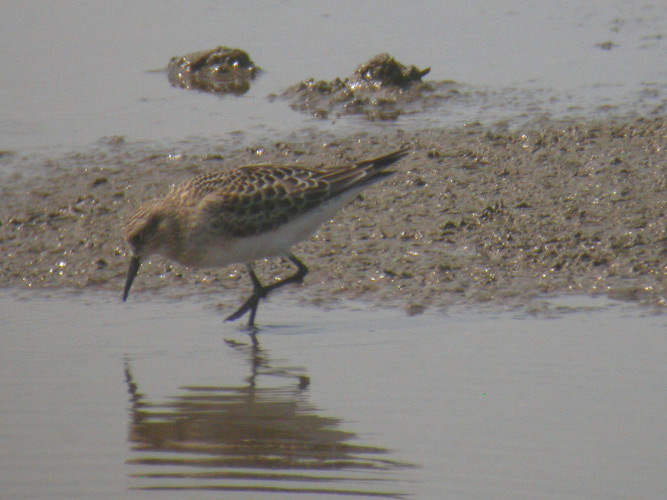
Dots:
(475, 215)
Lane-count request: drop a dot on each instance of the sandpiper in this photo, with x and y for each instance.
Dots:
(246, 214)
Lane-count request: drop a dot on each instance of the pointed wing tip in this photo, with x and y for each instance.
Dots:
(385, 160)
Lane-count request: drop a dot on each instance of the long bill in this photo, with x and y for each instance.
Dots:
(135, 263)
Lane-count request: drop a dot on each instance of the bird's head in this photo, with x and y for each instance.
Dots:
(144, 235)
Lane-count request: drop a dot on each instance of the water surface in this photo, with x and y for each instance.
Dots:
(74, 72)
(108, 400)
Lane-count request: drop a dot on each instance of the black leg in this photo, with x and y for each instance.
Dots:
(253, 301)
(260, 292)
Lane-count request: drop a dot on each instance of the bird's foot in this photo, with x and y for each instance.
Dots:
(250, 304)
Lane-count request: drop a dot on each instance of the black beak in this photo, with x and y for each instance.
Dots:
(135, 263)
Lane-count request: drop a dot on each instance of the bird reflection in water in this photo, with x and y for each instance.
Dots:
(263, 436)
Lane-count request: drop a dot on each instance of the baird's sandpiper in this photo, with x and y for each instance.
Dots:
(246, 214)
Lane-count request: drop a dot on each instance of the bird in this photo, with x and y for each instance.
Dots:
(245, 214)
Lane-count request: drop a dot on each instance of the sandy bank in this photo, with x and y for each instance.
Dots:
(474, 215)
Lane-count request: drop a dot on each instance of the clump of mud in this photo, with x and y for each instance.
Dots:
(380, 89)
(222, 70)
(385, 71)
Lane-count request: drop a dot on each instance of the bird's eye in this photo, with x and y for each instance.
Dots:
(136, 239)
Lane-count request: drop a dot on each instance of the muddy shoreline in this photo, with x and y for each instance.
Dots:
(475, 215)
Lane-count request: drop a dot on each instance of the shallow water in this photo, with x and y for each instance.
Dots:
(74, 72)
(108, 400)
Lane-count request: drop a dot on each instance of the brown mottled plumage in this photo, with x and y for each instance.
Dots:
(245, 214)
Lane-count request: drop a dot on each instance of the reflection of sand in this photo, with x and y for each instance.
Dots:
(476, 215)
(256, 437)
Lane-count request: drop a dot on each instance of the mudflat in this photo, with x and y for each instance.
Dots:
(476, 214)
